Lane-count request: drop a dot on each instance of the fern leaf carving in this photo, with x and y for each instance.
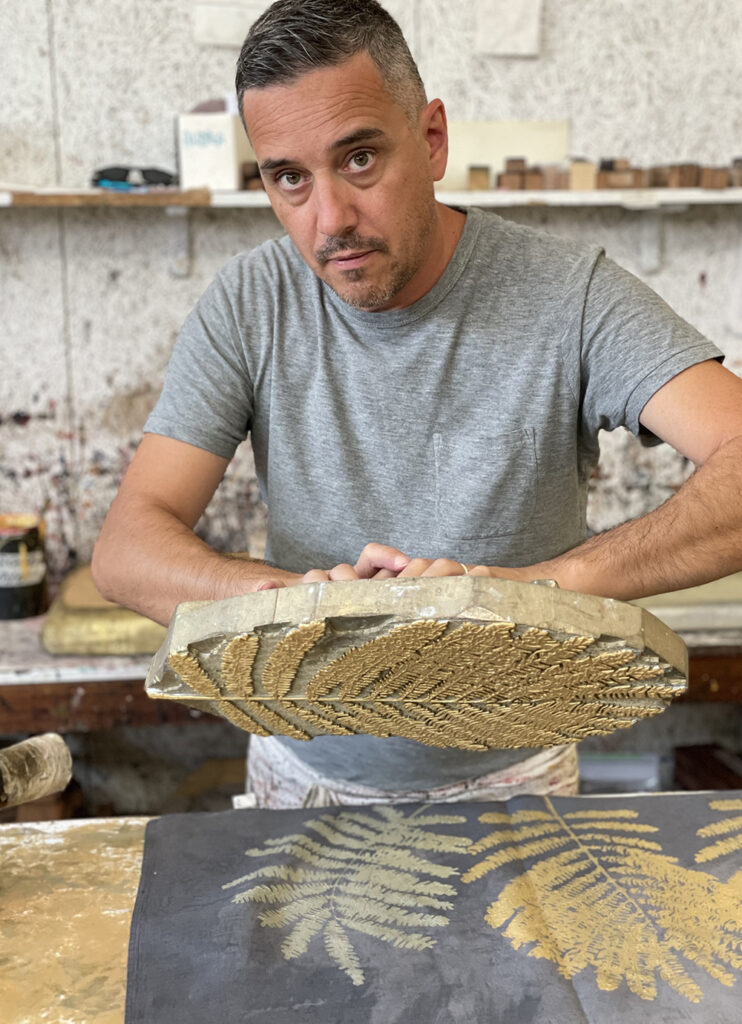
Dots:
(237, 663)
(362, 666)
(595, 893)
(260, 719)
(444, 683)
(191, 672)
(284, 662)
(360, 872)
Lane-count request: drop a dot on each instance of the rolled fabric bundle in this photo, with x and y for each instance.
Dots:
(34, 768)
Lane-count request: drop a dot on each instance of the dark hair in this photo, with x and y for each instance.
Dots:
(293, 37)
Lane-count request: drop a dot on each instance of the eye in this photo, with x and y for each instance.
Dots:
(289, 180)
(362, 160)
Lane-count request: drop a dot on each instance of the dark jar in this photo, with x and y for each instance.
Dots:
(22, 567)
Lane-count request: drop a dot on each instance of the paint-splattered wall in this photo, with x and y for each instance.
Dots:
(90, 310)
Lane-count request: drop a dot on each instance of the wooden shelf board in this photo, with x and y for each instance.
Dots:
(104, 197)
(632, 199)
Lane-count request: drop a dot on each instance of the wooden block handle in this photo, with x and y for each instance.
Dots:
(34, 768)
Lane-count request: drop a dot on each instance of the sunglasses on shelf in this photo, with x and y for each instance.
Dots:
(133, 176)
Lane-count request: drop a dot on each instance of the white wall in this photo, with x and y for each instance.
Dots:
(88, 308)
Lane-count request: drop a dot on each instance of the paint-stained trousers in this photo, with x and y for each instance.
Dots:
(276, 778)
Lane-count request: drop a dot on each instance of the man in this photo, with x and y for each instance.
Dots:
(423, 389)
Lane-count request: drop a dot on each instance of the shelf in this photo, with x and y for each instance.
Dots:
(630, 199)
(653, 203)
(102, 197)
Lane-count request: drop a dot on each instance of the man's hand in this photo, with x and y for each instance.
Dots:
(376, 561)
(381, 562)
(527, 574)
(427, 567)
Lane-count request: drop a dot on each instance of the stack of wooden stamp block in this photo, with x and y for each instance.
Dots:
(583, 175)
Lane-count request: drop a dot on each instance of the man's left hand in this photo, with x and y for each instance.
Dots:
(427, 567)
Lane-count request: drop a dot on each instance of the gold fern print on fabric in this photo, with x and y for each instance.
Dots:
(729, 829)
(356, 873)
(443, 683)
(596, 891)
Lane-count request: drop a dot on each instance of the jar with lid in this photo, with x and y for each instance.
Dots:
(22, 567)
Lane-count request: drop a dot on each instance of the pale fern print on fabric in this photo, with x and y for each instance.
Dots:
(356, 872)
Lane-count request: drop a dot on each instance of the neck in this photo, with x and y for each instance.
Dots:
(450, 225)
(447, 229)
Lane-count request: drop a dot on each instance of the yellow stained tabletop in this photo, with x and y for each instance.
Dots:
(67, 891)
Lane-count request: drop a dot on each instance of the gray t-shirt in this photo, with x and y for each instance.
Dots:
(464, 425)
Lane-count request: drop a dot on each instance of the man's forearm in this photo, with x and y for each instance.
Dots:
(149, 561)
(696, 536)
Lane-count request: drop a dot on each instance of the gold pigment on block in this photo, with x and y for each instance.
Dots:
(459, 679)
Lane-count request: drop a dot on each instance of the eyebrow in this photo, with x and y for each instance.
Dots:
(360, 135)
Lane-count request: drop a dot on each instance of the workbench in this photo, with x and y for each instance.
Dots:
(68, 893)
(42, 692)
(67, 890)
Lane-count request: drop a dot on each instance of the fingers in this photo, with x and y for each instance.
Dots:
(315, 576)
(526, 574)
(445, 567)
(270, 585)
(379, 556)
(416, 567)
(428, 567)
(343, 572)
(339, 572)
(384, 574)
(370, 566)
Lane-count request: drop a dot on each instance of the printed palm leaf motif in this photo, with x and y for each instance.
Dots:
(728, 829)
(598, 892)
(356, 872)
(443, 683)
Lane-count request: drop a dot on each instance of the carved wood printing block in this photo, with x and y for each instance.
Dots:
(454, 662)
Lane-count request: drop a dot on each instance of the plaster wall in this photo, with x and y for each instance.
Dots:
(89, 310)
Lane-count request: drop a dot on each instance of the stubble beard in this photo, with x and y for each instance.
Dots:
(377, 294)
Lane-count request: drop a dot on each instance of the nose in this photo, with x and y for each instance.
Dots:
(334, 206)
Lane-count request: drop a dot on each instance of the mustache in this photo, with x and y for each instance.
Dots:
(348, 243)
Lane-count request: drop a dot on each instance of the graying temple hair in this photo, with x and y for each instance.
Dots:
(293, 37)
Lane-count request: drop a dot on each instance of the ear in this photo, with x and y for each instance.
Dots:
(434, 128)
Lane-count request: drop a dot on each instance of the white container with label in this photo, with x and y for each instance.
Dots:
(211, 151)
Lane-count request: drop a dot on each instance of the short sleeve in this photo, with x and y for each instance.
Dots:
(632, 344)
(207, 397)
